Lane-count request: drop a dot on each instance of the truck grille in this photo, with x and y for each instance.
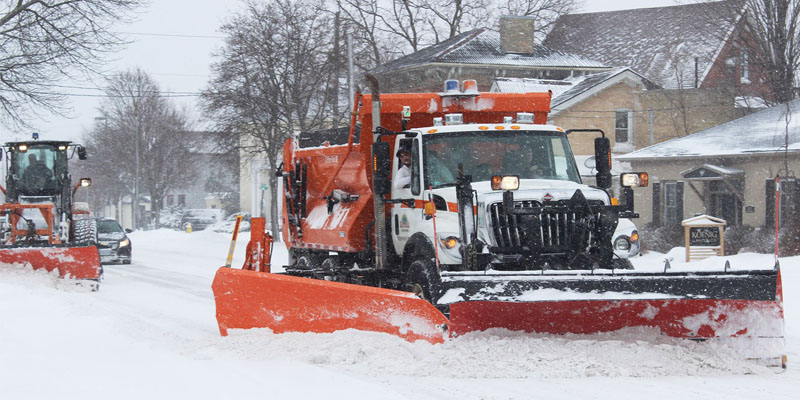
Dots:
(554, 228)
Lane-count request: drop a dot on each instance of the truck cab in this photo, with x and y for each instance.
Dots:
(538, 156)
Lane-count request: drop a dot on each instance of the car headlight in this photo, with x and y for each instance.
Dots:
(635, 236)
(125, 243)
(622, 243)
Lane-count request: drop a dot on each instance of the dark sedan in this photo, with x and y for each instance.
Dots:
(112, 242)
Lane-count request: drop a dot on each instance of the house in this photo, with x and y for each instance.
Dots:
(727, 171)
(691, 46)
(483, 55)
(690, 62)
(610, 101)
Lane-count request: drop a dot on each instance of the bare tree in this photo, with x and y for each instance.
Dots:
(776, 33)
(392, 28)
(271, 79)
(42, 42)
(146, 137)
(767, 40)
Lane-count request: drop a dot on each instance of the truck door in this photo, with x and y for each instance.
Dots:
(406, 217)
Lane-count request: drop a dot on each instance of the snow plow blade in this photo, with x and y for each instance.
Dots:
(251, 299)
(687, 305)
(71, 262)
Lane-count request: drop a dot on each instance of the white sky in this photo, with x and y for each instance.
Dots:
(180, 63)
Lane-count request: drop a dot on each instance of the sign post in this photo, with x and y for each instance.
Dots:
(704, 236)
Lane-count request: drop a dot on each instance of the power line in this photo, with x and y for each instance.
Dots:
(172, 35)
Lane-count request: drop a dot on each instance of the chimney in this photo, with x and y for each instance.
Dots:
(516, 34)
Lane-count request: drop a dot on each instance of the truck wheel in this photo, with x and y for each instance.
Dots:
(307, 261)
(422, 280)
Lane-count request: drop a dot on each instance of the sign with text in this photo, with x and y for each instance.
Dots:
(704, 236)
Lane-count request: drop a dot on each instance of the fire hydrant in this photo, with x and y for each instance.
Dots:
(188, 227)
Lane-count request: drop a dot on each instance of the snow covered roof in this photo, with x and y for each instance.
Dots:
(654, 41)
(482, 46)
(703, 220)
(529, 85)
(758, 133)
(595, 81)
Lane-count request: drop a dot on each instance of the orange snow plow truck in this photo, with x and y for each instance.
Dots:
(461, 211)
(40, 223)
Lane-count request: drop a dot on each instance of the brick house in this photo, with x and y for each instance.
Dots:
(698, 70)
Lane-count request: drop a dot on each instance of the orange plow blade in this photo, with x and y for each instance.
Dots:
(250, 299)
(70, 262)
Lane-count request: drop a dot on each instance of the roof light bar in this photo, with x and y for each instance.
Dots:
(524, 118)
(453, 119)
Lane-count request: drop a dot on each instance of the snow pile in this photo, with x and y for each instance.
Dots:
(151, 332)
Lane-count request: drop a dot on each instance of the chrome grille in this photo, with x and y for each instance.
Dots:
(553, 228)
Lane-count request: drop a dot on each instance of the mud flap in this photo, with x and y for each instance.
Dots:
(282, 303)
(71, 262)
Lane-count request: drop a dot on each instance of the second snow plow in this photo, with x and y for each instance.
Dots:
(481, 213)
(39, 223)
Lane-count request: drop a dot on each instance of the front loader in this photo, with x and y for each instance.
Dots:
(40, 224)
(494, 230)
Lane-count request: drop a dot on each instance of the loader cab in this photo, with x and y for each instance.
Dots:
(37, 168)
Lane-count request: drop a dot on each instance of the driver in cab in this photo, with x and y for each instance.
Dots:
(37, 174)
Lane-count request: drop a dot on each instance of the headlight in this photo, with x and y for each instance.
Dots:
(622, 243)
(125, 243)
(634, 179)
(635, 236)
(509, 182)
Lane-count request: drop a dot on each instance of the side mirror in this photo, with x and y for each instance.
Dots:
(602, 157)
(381, 168)
(81, 153)
(128, 230)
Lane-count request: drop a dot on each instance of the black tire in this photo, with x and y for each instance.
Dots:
(84, 231)
(307, 260)
(423, 280)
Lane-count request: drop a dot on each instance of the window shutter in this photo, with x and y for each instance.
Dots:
(656, 204)
(679, 200)
(769, 207)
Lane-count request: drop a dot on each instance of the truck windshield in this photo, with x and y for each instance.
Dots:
(528, 154)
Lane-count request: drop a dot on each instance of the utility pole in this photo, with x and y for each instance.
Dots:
(135, 202)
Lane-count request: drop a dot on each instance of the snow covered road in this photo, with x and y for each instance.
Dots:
(150, 332)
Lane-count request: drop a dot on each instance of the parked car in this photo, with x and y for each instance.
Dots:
(112, 242)
(626, 243)
(200, 218)
(229, 223)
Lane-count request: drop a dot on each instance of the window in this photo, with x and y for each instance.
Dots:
(745, 67)
(170, 200)
(181, 200)
(622, 127)
(415, 175)
(671, 203)
(667, 203)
